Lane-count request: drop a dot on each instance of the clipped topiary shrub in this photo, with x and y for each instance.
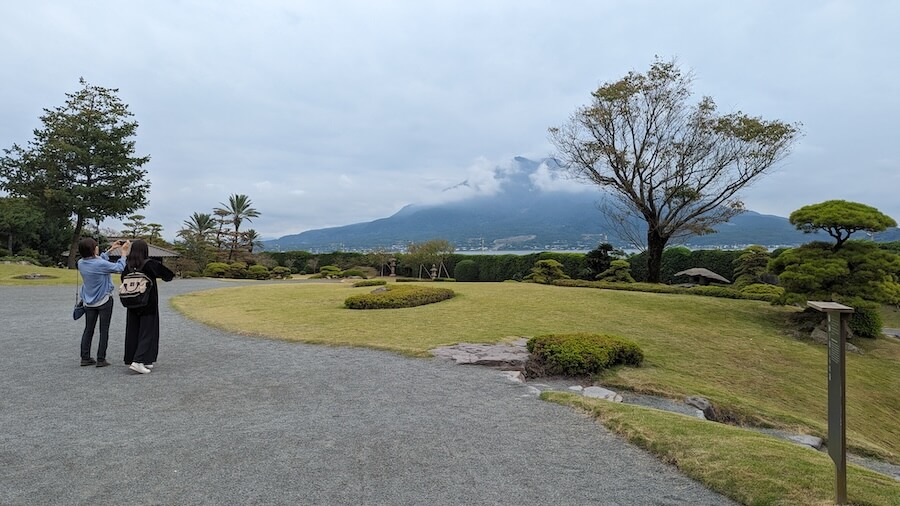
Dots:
(353, 273)
(546, 271)
(258, 272)
(448, 280)
(394, 297)
(466, 270)
(237, 270)
(215, 270)
(369, 282)
(866, 319)
(619, 272)
(281, 272)
(580, 354)
(762, 291)
(328, 272)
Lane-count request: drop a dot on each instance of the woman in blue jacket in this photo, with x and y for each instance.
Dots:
(96, 293)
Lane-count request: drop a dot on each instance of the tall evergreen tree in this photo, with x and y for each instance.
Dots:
(81, 164)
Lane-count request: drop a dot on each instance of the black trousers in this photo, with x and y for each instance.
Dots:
(91, 314)
(141, 336)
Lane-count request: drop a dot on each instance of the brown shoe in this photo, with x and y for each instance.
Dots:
(102, 363)
(88, 361)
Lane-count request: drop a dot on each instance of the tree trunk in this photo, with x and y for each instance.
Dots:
(655, 246)
(73, 246)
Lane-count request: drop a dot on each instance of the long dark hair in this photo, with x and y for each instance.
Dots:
(138, 255)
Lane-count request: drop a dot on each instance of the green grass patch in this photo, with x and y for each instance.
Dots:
(747, 466)
(890, 316)
(737, 353)
(9, 275)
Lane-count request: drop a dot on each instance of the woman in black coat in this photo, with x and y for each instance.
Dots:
(142, 324)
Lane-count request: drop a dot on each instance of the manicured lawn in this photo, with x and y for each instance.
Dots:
(737, 353)
(9, 273)
(747, 466)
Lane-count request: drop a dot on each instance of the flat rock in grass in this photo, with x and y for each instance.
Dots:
(601, 393)
(703, 404)
(504, 355)
(811, 441)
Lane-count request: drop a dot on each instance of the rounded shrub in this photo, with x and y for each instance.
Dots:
(579, 354)
(866, 320)
(394, 297)
(762, 291)
(369, 282)
(258, 272)
(215, 270)
(328, 272)
(238, 270)
(353, 273)
(281, 272)
(466, 270)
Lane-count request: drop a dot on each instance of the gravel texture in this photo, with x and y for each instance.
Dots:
(227, 419)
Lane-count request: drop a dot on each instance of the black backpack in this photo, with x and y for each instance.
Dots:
(134, 292)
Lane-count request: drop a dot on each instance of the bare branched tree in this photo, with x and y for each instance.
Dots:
(678, 167)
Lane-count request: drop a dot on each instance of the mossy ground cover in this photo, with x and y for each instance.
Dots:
(749, 467)
(737, 353)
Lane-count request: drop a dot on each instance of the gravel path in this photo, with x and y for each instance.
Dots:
(226, 419)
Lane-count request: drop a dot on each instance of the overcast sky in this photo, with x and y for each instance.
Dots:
(337, 112)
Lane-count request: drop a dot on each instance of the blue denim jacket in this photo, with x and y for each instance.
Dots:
(96, 273)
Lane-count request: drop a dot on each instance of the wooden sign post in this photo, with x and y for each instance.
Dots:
(838, 319)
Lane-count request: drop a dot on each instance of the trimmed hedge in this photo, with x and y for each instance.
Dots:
(369, 282)
(466, 270)
(398, 296)
(628, 287)
(708, 291)
(679, 258)
(581, 353)
(715, 291)
(762, 291)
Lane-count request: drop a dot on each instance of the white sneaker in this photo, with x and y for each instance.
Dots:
(138, 367)
(148, 366)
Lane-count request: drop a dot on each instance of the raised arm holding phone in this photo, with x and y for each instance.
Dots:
(96, 292)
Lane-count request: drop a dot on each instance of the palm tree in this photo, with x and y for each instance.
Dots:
(239, 208)
(197, 234)
(199, 226)
(251, 238)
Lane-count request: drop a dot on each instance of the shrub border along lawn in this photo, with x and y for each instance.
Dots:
(747, 466)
